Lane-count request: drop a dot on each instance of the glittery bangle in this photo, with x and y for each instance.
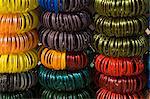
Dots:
(65, 41)
(63, 80)
(119, 66)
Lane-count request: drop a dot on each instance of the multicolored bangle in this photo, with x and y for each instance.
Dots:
(56, 60)
(66, 22)
(63, 80)
(119, 66)
(65, 41)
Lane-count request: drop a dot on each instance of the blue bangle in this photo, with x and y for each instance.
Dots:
(56, 6)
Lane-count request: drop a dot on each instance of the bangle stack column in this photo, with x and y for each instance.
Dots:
(18, 37)
(121, 45)
(64, 36)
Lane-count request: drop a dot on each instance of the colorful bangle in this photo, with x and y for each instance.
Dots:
(16, 63)
(17, 81)
(56, 60)
(106, 94)
(120, 27)
(119, 66)
(66, 22)
(63, 80)
(121, 8)
(17, 23)
(65, 40)
(124, 84)
(120, 47)
(64, 5)
(18, 43)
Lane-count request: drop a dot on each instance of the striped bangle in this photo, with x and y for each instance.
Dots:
(63, 80)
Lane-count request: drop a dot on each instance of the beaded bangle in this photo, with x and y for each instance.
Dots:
(123, 26)
(106, 94)
(124, 84)
(66, 22)
(63, 5)
(56, 60)
(65, 40)
(121, 8)
(119, 66)
(18, 43)
(17, 81)
(16, 63)
(120, 47)
(63, 80)
(18, 22)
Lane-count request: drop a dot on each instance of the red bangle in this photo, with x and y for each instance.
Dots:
(119, 66)
(106, 94)
(123, 84)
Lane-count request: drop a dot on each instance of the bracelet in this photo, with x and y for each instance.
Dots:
(56, 60)
(17, 23)
(121, 8)
(63, 80)
(119, 66)
(66, 22)
(16, 63)
(18, 43)
(124, 84)
(106, 94)
(123, 26)
(120, 47)
(64, 5)
(65, 40)
(18, 81)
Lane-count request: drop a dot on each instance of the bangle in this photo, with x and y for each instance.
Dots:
(120, 47)
(17, 23)
(18, 43)
(120, 27)
(106, 94)
(64, 5)
(79, 94)
(124, 84)
(56, 60)
(121, 8)
(119, 66)
(16, 63)
(63, 80)
(66, 22)
(65, 40)
(18, 81)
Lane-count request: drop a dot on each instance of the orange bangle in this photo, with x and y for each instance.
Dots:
(18, 43)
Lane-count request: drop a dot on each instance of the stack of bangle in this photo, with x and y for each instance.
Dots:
(121, 8)
(63, 80)
(119, 66)
(120, 47)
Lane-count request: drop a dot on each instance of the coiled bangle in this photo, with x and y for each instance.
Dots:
(64, 5)
(17, 81)
(106, 94)
(124, 84)
(56, 60)
(16, 63)
(121, 8)
(119, 66)
(18, 43)
(79, 94)
(65, 40)
(123, 26)
(120, 47)
(66, 22)
(17, 23)
(17, 6)
(63, 80)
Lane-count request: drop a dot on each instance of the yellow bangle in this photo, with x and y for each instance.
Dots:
(16, 63)
(17, 6)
